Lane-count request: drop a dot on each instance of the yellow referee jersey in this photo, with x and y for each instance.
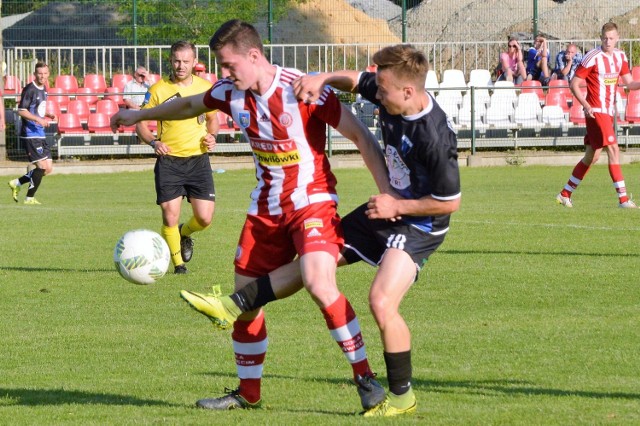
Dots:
(184, 137)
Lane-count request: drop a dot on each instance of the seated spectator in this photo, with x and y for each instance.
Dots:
(566, 63)
(135, 90)
(538, 61)
(511, 67)
(199, 69)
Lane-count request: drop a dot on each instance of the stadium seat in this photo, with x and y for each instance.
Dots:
(98, 122)
(632, 112)
(450, 101)
(58, 95)
(557, 98)
(372, 68)
(68, 83)
(504, 92)
(553, 115)
(70, 123)
(559, 86)
(499, 115)
(464, 114)
(107, 106)
(481, 80)
(533, 86)
(96, 82)
(12, 85)
(114, 94)
(635, 72)
(226, 123)
(432, 84)
(88, 95)
(120, 80)
(528, 112)
(52, 108)
(79, 108)
(210, 77)
(453, 79)
(576, 115)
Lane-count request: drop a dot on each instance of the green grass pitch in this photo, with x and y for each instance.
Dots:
(529, 313)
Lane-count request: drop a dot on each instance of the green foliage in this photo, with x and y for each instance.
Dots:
(160, 22)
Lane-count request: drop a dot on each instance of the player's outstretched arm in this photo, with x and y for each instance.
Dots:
(178, 109)
(308, 88)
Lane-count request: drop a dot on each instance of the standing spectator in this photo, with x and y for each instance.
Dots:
(567, 62)
(293, 209)
(200, 70)
(182, 166)
(136, 89)
(600, 70)
(538, 58)
(397, 232)
(511, 67)
(32, 110)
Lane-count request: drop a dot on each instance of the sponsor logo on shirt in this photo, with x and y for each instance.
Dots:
(275, 153)
(610, 79)
(313, 222)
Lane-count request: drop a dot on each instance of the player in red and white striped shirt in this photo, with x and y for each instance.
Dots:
(293, 209)
(600, 69)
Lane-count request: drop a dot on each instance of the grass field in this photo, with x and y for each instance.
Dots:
(528, 314)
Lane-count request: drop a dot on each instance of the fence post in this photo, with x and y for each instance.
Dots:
(473, 119)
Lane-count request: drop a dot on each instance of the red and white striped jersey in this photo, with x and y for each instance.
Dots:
(601, 72)
(288, 141)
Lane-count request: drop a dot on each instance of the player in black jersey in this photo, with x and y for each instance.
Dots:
(396, 231)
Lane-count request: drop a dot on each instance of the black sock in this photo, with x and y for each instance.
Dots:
(254, 295)
(398, 371)
(36, 178)
(26, 178)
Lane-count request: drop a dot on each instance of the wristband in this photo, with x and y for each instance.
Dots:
(153, 143)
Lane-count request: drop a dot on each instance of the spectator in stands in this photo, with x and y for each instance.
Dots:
(32, 110)
(538, 58)
(199, 69)
(600, 70)
(511, 67)
(567, 62)
(136, 89)
(182, 166)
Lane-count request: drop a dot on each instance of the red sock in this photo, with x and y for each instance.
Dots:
(250, 346)
(615, 171)
(578, 173)
(345, 329)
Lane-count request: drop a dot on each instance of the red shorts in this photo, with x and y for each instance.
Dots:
(268, 242)
(600, 131)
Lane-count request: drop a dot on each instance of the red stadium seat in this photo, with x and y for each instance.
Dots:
(58, 95)
(52, 108)
(98, 122)
(88, 95)
(67, 82)
(559, 86)
(576, 114)
(557, 98)
(120, 80)
(632, 113)
(12, 85)
(533, 86)
(96, 82)
(114, 94)
(635, 72)
(107, 106)
(79, 108)
(70, 123)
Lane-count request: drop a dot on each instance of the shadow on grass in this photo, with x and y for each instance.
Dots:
(512, 387)
(34, 397)
(538, 253)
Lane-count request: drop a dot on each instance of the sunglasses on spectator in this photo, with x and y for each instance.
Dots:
(513, 45)
(141, 75)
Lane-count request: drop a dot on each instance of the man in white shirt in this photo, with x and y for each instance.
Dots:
(135, 90)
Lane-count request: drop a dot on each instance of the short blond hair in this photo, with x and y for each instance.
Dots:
(404, 61)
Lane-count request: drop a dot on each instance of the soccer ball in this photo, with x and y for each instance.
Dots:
(141, 256)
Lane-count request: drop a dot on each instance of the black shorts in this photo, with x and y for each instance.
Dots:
(184, 176)
(37, 149)
(367, 239)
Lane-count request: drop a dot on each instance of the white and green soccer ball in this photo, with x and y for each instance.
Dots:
(141, 256)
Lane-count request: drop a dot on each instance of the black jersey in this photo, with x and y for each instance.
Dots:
(33, 99)
(421, 153)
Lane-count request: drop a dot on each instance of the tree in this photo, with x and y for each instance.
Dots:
(163, 22)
